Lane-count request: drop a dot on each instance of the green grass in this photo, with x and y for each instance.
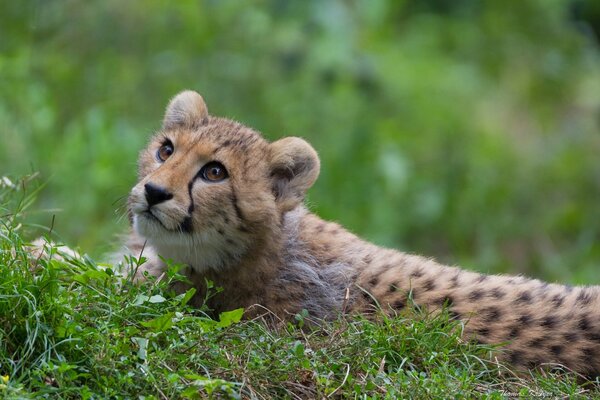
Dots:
(72, 328)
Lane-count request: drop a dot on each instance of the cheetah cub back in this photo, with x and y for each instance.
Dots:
(215, 196)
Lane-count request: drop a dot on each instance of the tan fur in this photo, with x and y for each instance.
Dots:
(251, 235)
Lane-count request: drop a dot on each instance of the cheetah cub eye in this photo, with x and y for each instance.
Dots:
(165, 151)
(213, 172)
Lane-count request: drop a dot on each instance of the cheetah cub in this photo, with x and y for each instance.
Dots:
(215, 196)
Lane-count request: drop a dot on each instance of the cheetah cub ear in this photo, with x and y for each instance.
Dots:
(186, 110)
(294, 168)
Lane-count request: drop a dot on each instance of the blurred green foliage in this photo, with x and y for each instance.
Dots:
(468, 131)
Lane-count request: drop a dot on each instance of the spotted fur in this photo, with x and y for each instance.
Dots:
(251, 235)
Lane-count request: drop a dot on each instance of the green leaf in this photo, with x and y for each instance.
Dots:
(228, 318)
(157, 298)
(142, 344)
(187, 296)
(161, 323)
(140, 299)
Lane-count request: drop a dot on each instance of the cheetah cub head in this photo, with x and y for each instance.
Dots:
(211, 190)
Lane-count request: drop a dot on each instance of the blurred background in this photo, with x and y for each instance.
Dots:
(464, 130)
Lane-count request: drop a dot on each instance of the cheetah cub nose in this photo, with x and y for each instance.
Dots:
(156, 194)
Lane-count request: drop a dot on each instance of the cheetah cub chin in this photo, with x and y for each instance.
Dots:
(215, 196)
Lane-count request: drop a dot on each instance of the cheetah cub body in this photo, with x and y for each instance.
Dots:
(217, 197)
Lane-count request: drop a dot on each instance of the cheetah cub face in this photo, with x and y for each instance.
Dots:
(211, 190)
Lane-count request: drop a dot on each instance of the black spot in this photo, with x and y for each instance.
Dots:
(454, 281)
(531, 364)
(374, 281)
(557, 300)
(398, 305)
(475, 295)
(491, 314)
(230, 241)
(584, 297)
(417, 273)
(570, 336)
(589, 356)
(226, 143)
(514, 332)
(429, 285)
(367, 296)
(593, 336)
(368, 259)
(525, 319)
(515, 357)
(549, 321)
(445, 301)
(556, 349)
(483, 331)
(481, 278)
(583, 324)
(454, 315)
(393, 287)
(537, 342)
(497, 293)
(220, 231)
(524, 297)
(243, 228)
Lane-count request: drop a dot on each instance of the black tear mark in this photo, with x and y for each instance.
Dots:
(186, 226)
(238, 211)
(190, 184)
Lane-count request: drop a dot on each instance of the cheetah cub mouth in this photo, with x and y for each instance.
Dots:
(210, 189)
